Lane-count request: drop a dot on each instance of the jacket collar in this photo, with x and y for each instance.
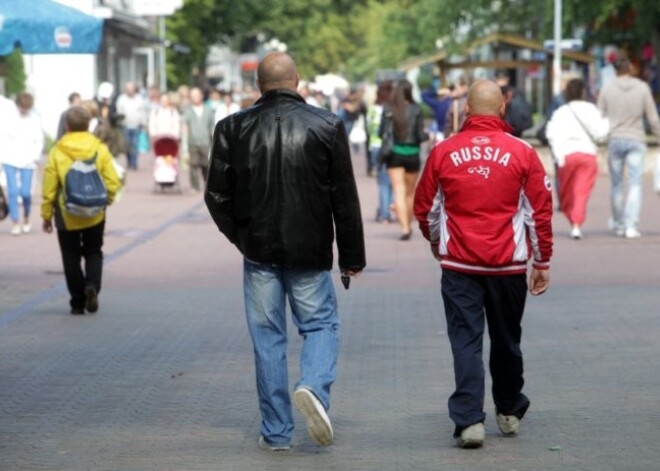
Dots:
(282, 93)
(486, 123)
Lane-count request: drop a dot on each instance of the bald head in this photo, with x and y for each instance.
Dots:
(485, 99)
(277, 71)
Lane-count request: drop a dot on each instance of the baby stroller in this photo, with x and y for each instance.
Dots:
(166, 163)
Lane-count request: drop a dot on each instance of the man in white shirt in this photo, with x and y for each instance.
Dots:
(226, 106)
(132, 107)
(199, 122)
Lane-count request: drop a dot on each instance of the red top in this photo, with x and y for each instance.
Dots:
(485, 199)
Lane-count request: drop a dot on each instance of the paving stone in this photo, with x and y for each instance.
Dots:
(162, 378)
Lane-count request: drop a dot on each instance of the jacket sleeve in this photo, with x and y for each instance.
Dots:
(598, 126)
(221, 186)
(651, 112)
(425, 195)
(537, 193)
(552, 127)
(385, 115)
(346, 205)
(108, 173)
(49, 187)
(430, 97)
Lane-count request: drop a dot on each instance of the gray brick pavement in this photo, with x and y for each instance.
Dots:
(162, 379)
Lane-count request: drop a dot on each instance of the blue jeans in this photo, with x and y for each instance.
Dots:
(132, 139)
(385, 196)
(313, 305)
(19, 183)
(626, 207)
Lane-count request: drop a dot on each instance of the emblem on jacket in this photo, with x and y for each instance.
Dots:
(481, 170)
(480, 140)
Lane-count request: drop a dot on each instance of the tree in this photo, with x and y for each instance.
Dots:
(14, 72)
(199, 24)
(358, 37)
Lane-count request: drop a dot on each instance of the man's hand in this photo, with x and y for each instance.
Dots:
(539, 281)
(353, 273)
(47, 226)
(435, 250)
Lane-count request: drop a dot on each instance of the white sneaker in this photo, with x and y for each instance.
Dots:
(26, 228)
(16, 230)
(508, 424)
(632, 233)
(264, 445)
(318, 423)
(618, 229)
(472, 436)
(576, 233)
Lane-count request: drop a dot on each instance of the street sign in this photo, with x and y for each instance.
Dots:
(565, 44)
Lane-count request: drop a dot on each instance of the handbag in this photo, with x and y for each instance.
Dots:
(358, 134)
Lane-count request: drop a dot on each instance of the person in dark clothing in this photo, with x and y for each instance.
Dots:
(518, 112)
(74, 100)
(440, 102)
(280, 186)
(484, 203)
(403, 124)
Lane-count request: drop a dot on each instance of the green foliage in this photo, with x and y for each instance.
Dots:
(358, 37)
(15, 72)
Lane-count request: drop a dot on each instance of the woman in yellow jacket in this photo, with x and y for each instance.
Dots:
(78, 237)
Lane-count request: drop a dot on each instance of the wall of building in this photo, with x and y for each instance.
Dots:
(51, 78)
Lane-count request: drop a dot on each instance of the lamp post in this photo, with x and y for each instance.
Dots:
(556, 61)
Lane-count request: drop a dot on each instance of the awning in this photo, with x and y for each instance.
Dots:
(47, 27)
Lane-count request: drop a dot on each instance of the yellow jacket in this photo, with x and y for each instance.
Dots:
(75, 146)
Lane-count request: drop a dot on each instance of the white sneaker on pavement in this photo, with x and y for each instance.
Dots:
(472, 436)
(318, 423)
(508, 424)
(26, 228)
(16, 230)
(632, 233)
(264, 445)
(576, 233)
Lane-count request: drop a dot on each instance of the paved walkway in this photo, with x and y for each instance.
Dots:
(161, 378)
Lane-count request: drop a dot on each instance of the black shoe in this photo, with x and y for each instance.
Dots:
(406, 236)
(91, 299)
(78, 311)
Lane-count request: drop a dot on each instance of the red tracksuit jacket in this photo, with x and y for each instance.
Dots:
(485, 199)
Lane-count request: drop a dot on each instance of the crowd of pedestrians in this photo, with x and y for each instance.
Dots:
(284, 163)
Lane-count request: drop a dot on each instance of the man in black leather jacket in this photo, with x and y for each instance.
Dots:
(280, 186)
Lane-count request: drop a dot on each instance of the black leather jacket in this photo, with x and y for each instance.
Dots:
(280, 175)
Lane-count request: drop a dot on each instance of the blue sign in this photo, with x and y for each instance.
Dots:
(47, 27)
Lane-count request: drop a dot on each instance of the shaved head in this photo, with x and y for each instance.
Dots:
(485, 99)
(277, 71)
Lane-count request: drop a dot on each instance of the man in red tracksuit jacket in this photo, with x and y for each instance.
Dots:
(485, 204)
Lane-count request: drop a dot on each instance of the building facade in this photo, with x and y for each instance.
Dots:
(129, 52)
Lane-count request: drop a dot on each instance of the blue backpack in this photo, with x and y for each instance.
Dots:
(85, 194)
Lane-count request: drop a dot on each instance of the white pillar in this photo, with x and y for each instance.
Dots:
(162, 75)
(556, 62)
